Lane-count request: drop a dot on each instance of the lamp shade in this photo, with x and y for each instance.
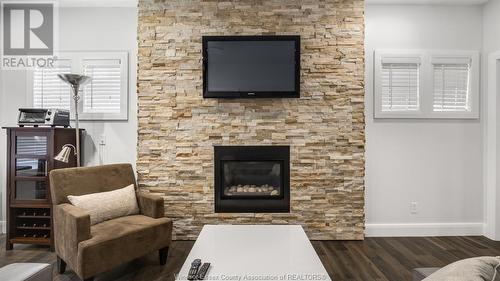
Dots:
(63, 156)
(75, 80)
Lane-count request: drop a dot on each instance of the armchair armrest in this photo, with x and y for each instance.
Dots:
(71, 226)
(151, 205)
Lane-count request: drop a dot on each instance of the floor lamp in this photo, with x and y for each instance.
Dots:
(75, 81)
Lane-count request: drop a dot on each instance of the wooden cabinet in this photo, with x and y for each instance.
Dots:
(30, 158)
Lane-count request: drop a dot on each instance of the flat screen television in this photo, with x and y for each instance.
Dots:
(251, 66)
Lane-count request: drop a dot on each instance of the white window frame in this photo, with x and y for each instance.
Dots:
(457, 57)
(77, 63)
(394, 56)
(31, 83)
(426, 83)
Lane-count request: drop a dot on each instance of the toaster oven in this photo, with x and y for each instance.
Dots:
(43, 117)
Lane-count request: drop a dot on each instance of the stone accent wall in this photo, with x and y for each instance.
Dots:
(325, 127)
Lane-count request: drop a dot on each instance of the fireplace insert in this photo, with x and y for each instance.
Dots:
(252, 179)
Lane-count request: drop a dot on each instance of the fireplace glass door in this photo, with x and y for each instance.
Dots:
(252, 179)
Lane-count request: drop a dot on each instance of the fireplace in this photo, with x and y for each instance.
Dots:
(252, 179)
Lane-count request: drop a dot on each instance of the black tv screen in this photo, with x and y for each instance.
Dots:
(251, 66)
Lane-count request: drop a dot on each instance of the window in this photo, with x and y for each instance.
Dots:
(105, 97)
(48, 90)
(426, 84)
(103, 93)
(397, 84)
(451, 85)
(400, 86)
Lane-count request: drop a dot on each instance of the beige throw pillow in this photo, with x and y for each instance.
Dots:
(473, 269)
(108, 205)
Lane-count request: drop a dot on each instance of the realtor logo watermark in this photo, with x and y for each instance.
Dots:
(28, 36)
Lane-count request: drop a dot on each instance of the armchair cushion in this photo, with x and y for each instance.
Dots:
(151, 205)
(122, 239)
(108, 205)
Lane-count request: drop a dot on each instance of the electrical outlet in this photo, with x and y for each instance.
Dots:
(414, 207)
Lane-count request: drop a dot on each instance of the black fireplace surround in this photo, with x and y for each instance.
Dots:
(252, 179)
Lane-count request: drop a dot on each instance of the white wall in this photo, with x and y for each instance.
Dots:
(111, 29)
(85, 29)
(3, 144)
(491, 25)
(491, 44)
(14, 94)
(437, 163)
(2, 156)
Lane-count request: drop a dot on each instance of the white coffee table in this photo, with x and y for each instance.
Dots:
(256, 252)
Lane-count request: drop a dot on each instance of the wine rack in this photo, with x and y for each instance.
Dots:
(32, 224)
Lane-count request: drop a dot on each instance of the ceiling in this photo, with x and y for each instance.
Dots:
(97, 3)
(133, 3)
(427, 2)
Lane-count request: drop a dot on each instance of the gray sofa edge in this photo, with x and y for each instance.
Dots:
(26, 272)
(423, 272)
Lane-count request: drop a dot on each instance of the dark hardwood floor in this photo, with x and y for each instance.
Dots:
(371, 259)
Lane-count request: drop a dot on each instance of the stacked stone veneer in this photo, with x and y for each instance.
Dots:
(325, 127)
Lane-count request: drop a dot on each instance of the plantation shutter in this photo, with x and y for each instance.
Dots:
(400, 84)
(451, 85)
(49, 91)
(103, 93)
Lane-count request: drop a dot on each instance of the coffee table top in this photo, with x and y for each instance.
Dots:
(256, 252)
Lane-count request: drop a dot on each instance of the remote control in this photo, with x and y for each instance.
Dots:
(194, 269)
(203, 271)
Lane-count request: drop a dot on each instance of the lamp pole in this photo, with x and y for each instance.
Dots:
(75, 81)
(76, 98)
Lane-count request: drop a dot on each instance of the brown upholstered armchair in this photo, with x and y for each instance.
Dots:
(90, 250)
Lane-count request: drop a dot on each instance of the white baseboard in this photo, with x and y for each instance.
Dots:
(424, 229)
(403, 229)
